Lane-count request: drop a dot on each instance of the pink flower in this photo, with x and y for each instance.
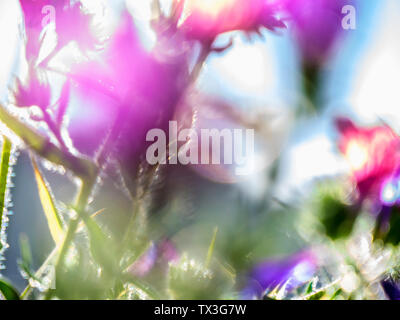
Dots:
(316, 25)
(205, 19)
(373, 155)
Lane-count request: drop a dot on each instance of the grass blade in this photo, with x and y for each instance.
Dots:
(8, 291)
(211, 247)
(4, 168)
(50, 210)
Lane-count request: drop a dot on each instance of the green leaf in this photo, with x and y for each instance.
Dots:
(25, 263)
(8, 291)
(25, 248)
(317, 295)
(337, 293)
(102, 247)
(309, 288)
(4, 166)
(190, 280)
(49, 207)
(80, 166)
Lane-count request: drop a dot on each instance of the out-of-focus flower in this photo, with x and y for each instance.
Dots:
(72, 24)
(158, 254)
(205, 19)
(145, 263)
(374, 158)
(36, 92)
(32, 10)
(135, 85)
(287, 273)
(391, 288)
(316, 25)
(33, 17)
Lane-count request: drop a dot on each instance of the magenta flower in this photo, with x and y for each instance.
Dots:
(72, 24)
(316, 26)
(134, 85)
(36, 92)
(205, 19)
(374, 158)
(290, 272)
(33, 17)
(32, 10)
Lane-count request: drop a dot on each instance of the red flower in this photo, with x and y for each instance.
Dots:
(205, 19)
(373, 155)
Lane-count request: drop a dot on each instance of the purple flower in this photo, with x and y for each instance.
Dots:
(316, 26)
(145, 263)
(391, 288)
(290, 272)
(159, 254)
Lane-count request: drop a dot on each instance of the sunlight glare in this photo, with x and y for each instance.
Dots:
(210, 7)
(357, 155)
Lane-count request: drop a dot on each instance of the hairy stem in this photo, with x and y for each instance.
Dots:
(81, 204)
(4, 168)
(80, 166)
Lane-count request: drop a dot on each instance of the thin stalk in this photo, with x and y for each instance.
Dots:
(28, 288)
(205, 52)
(80, 166)
(81, 204)
(141, 286)
(4, 168)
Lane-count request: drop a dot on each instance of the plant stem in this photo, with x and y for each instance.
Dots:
(311, 75)
(81, 204)
(141, 286)
(80, 166)
(4, 170)
(205, 51)
(38, 273)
